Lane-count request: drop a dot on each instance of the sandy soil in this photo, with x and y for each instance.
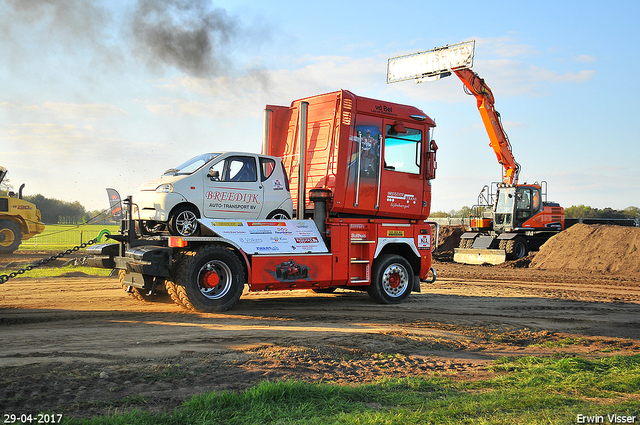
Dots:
(80, 346)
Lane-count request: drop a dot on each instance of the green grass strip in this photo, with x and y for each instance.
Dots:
(526, 390)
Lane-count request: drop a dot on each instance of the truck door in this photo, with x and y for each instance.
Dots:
(401, 180)
(364, 166)
(232, 188)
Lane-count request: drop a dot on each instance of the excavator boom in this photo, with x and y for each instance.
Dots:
(491, 119)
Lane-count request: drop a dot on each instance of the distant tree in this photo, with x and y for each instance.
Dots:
(55, 211)
(583, 211)
(5, 187)
(464, 213)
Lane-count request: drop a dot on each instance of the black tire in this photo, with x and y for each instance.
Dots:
(10, 236)
(517, 248)
(160, 294)
(278, 215)
(183, 221)
(210, 280)
(392, 279)
(465, 243)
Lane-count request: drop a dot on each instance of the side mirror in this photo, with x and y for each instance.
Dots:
(214, 175)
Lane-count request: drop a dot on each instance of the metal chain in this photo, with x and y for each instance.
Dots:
(5, 277)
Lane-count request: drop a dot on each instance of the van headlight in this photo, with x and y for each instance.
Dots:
(164, 188)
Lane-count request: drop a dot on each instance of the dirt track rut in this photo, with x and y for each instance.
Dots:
(82, 346)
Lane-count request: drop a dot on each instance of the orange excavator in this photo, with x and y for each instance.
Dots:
(510, 219)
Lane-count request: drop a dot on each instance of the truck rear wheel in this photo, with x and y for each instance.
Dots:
(10, 236)
(140, 294)
(210, 280)
(392, 279)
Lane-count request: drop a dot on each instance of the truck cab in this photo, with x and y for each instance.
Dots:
(215, 185)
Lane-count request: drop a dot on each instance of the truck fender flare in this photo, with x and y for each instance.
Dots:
(382, 242)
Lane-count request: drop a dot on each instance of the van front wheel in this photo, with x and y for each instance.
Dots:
(184, 221)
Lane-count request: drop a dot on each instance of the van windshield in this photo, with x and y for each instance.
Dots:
(192, 165)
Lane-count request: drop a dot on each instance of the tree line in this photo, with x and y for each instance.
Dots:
(579, 211)
(55, 211)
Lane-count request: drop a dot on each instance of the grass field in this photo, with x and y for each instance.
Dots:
(58, 236)
(526, 390)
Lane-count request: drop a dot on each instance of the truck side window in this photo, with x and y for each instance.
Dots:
(402, 150)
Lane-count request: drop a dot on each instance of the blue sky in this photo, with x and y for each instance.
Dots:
(93, 95)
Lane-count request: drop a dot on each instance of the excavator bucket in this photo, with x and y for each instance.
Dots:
(479, 256)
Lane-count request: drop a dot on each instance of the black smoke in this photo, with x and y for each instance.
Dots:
(190, 35)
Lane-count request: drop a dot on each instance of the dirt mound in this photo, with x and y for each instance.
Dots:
(449, 238)
(592, 248)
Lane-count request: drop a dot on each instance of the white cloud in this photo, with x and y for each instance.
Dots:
(586, 58)
(87, 110)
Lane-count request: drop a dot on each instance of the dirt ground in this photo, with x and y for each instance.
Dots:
(80, 346)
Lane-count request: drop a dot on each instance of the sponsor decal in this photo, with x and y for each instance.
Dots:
(266, 223)
(424, 241)
(232, 206)
(401, 200)
(250, 240)
(401, 197)
(260, 231)
(267, 248)
(278, 185)
(22, 207)
(383, 109)
(222, 196)
(227, 223)
(358, 226)
(395, 233)
(306, 240)
(358, 235)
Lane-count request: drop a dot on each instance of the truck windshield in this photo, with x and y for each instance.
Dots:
(402, 151)
(505, 201)
(191, 165)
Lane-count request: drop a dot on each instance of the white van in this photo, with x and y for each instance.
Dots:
(235, 185)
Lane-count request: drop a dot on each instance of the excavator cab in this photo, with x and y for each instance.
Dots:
(515, 205)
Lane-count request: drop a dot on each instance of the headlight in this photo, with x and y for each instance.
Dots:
(164, 188)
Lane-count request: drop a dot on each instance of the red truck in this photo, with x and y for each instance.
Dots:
(360, 170)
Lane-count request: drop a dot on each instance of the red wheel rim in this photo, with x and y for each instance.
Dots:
(210, 279)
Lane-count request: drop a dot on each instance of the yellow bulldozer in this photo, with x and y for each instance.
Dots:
(19, 219)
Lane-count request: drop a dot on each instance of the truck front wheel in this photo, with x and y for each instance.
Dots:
(392, 279)
(10, 236)
(212, 279)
